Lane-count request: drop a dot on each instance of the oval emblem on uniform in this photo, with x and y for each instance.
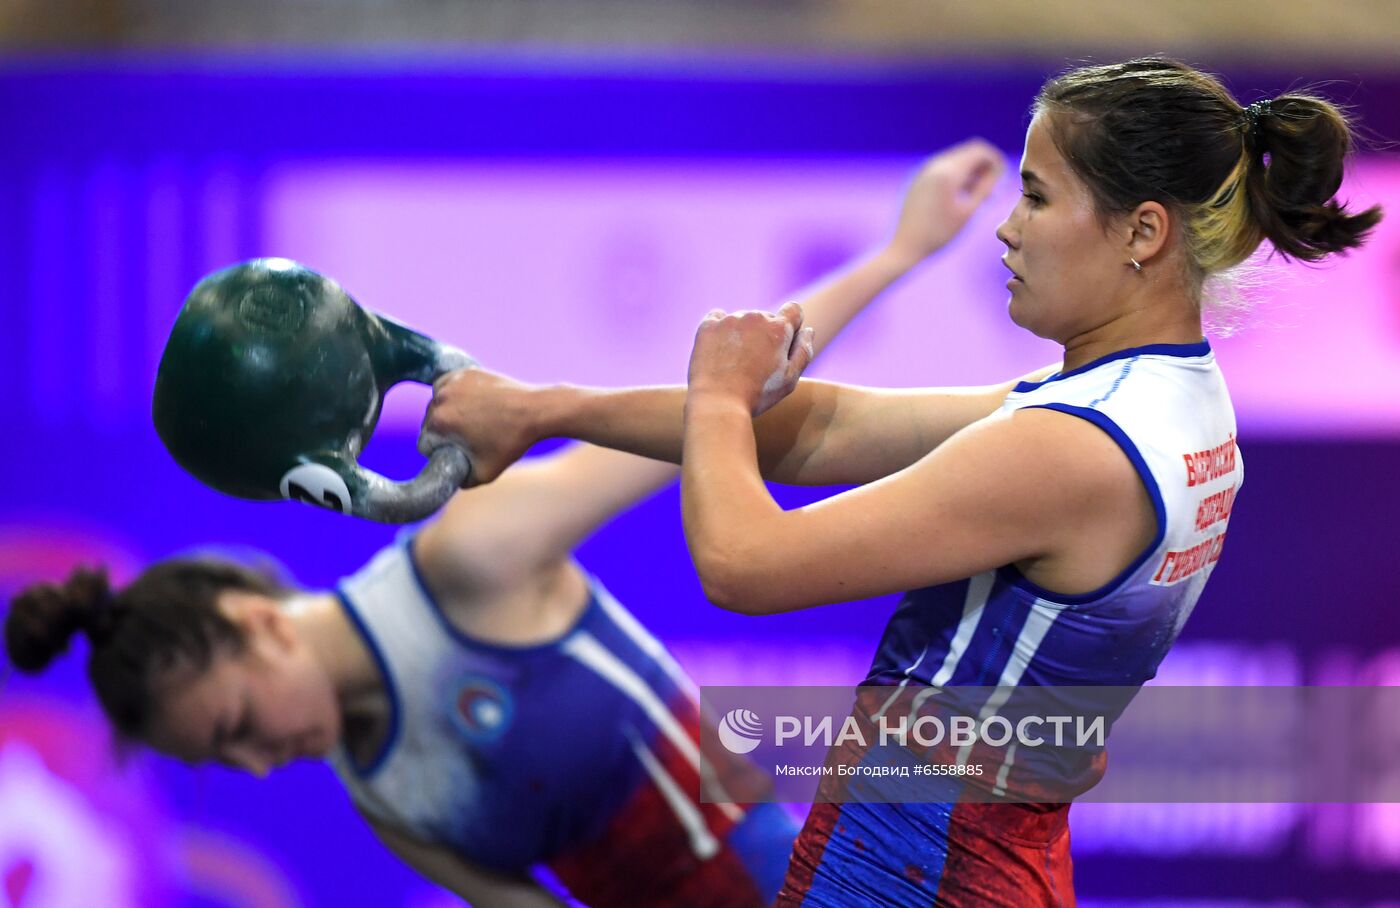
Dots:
(483, 709)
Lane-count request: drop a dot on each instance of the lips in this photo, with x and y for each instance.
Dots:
(1014, 274)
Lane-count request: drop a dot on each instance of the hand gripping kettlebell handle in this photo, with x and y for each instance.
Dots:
(447, 469)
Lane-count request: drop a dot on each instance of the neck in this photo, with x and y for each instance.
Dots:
(337, 646)
(1147, 318)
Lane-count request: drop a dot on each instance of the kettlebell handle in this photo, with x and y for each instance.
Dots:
(387, 501)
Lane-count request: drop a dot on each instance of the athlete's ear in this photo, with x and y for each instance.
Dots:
(261, 618)
(279, 626)
(1146, 230)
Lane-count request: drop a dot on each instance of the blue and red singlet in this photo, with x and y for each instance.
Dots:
(1168, 409)
(580, 755)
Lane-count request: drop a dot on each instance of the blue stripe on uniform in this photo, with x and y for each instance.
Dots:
(763, 840)
(990, 648)
(855, 868)
(931, 614)
(1182, 350)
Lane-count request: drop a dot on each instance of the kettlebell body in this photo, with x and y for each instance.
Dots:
(272, 383)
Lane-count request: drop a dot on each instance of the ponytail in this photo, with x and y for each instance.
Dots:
(44, 618)
(1296, 145)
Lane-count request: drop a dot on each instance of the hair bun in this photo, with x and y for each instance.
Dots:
(43, 618)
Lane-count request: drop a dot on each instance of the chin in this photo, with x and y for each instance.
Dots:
(1016, 311)
(1021, 318)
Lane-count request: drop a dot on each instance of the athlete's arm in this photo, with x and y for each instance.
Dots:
(477, 885)
(498, 534)
(500, 419)
(823, 433)
(538, 512)
(944, 192)
(1037, 488)
(493, 538)
(1041, 489)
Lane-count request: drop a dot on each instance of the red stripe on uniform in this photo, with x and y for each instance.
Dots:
(644, 855)
(1013, 855)
(807, 854)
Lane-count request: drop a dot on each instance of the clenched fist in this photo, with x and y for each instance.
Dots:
(756, 357)
(488, 414)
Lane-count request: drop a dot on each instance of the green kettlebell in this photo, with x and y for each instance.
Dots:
(272, 383)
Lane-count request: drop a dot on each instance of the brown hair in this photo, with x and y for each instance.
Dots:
(167, 617)
(1156, 129)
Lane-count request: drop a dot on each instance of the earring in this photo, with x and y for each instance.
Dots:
(1136, 265)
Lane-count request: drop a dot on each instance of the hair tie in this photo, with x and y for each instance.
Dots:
(1255, 112)
(100, 616)
(108, 615)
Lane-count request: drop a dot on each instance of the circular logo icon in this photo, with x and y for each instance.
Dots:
(740, 730)
(316, 484)
(484, 709)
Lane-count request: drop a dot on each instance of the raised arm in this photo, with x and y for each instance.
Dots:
(537, 513)
(1046, 491)
(542, 509)
(941, 196)
(814, 437)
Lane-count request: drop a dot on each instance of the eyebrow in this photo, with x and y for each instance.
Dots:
(1028, 176)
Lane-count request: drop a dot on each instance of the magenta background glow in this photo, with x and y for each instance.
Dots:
(598, 273)
(574, 222)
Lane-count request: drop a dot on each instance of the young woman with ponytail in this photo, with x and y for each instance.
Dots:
(1054, 532)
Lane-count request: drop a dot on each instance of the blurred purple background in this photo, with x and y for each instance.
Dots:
(574, 220)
